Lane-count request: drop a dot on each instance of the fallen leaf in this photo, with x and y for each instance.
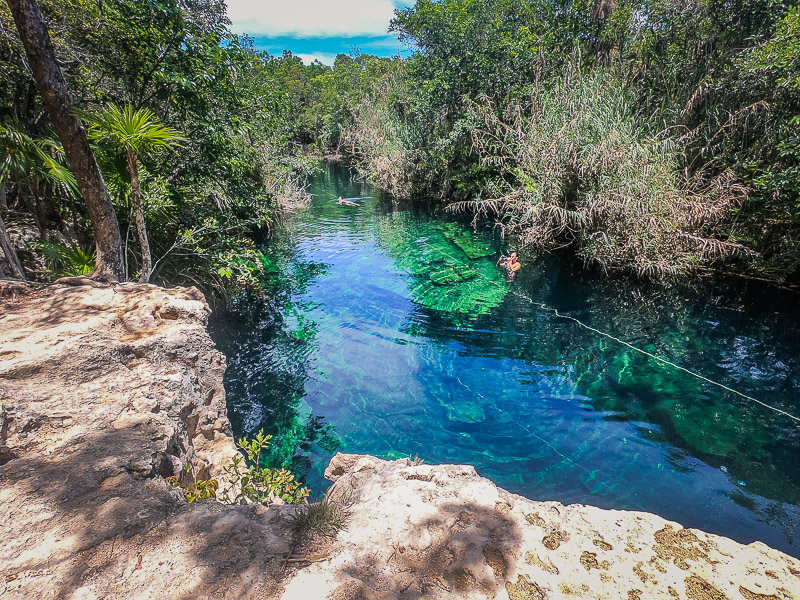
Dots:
(139, 563)
(11, 577)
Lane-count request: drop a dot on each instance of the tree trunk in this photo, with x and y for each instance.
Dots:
(10, 253)
(58, 102)
(32, 207)
(133, 167)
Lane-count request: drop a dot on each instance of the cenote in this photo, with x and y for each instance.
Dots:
(391, 332)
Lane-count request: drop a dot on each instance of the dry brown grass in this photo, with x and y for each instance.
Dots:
(576, 169)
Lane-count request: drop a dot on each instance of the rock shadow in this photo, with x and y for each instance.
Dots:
(464, 547)
(96, 513)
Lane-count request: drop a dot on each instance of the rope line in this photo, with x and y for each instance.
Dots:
(664, 361)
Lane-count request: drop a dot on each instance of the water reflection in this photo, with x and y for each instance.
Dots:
(396, 329)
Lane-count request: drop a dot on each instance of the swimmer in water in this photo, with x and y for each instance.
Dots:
(511, 263)
(344, 202)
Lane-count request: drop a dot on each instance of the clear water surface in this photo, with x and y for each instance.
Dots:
(391, 332)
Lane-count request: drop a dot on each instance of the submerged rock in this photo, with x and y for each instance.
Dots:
(472, 246)
(452, 274)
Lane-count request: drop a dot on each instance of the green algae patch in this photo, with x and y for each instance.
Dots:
(466, 413)
(472, 249)
(394, 455)
(270, 265)
(472, 245)
(452, 274)
(447, 263)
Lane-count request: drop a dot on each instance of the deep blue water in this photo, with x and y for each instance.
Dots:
(380, 335)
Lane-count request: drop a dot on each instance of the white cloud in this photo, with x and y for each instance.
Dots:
(311, 18)
(326, 58)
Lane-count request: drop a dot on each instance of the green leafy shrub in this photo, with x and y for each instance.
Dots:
(254, 483)
(201, 489)
(195, 489)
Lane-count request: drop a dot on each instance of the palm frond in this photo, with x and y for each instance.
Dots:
(64, 261)
(129, 129)
(40, 160)
(14, 152)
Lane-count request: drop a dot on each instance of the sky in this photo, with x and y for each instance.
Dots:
(318, 29)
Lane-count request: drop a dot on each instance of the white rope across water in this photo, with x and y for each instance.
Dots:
(664, 361)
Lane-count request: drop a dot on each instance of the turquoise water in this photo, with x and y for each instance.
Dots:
(389, 331)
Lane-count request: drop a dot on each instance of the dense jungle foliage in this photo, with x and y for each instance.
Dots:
(230, 161)
(659, 138)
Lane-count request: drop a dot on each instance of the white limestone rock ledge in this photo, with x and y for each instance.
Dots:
(104, 391)
(421, 531)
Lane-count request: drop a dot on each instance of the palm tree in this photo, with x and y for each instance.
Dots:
(135, 132)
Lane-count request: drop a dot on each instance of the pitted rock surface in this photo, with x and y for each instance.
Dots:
(421, 531)
(105, 391)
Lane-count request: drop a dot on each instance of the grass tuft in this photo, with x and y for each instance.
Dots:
(327, 516)
(577, 166)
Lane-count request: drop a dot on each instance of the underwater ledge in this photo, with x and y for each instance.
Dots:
(105, 391)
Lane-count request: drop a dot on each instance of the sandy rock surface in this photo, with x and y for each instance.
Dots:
(444, 532)
(104, 392)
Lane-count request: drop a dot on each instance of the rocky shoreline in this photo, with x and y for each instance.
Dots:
(105, 391)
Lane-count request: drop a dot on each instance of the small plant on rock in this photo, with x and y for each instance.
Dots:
(327, 516)
(260, 484)
(197, 489)
(415, 460)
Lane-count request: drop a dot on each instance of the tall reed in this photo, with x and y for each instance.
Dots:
(577, 167)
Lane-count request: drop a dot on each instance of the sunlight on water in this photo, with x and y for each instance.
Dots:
(392, 333)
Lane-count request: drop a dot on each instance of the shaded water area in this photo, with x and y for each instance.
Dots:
(391, 332)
